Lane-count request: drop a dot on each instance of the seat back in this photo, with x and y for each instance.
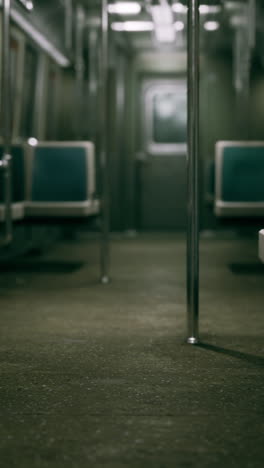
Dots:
(239, 179)
(61, 172)
(61, 180)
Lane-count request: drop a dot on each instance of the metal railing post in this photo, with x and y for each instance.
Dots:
(193, 174)
(104, 157)
(68, 25)
(79, 72)
(6, 160)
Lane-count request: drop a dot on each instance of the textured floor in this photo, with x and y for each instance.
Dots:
(95, 376)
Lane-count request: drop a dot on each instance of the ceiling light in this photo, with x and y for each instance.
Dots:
(163, 21)
(238, 20)
(179, 8)
(211, 25)
(28, 4)
(232, 6)
(124, 8)
(162, 14)
(179, 26)
(164, 33)
(206, 9)
(133, 26)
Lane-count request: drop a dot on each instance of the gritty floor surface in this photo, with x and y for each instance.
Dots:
(95, 376)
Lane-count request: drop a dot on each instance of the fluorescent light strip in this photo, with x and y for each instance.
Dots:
(163, 20)
(124, 8)
(204, 9)
(179, 8)
(179, 25)
(207, 9)
(164, 33)
(162, 14)
(238, 20)
(40, 39)
(233, 6)
(211, 25)
(133, 26)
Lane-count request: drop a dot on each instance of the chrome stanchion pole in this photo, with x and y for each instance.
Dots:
(193, 175)
(6, 160)
(79, 71)
(105, 199)
(68, 25)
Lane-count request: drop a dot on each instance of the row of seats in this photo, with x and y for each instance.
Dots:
(53, 179)
(57, 179)
(236, 179)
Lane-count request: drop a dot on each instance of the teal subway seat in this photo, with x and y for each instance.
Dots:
(61, 180)
(17, 182)
(239, 179)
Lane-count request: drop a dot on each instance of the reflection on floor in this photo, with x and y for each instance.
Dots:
(96, 375)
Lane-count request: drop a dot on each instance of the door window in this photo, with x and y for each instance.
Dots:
(166, 119)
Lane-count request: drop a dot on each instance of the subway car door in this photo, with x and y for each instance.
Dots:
(161, 157)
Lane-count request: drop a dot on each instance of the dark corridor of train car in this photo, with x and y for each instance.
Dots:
(131, 233)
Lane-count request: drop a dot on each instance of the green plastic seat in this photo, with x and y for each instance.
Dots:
(62, 180)
(239, 179)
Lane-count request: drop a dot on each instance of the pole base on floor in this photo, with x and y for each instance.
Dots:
(105, 280)
(192, 340)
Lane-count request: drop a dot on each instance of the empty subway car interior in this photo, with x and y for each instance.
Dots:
(131, 233)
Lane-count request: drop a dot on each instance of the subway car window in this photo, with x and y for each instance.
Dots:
(29, 91)
(169, 117)
(163, 130)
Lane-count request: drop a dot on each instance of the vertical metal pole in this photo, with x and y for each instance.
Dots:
(68, 25)
(105, 247)
(193, 175)
(6, 160)
(92, 42)
(79, 69)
